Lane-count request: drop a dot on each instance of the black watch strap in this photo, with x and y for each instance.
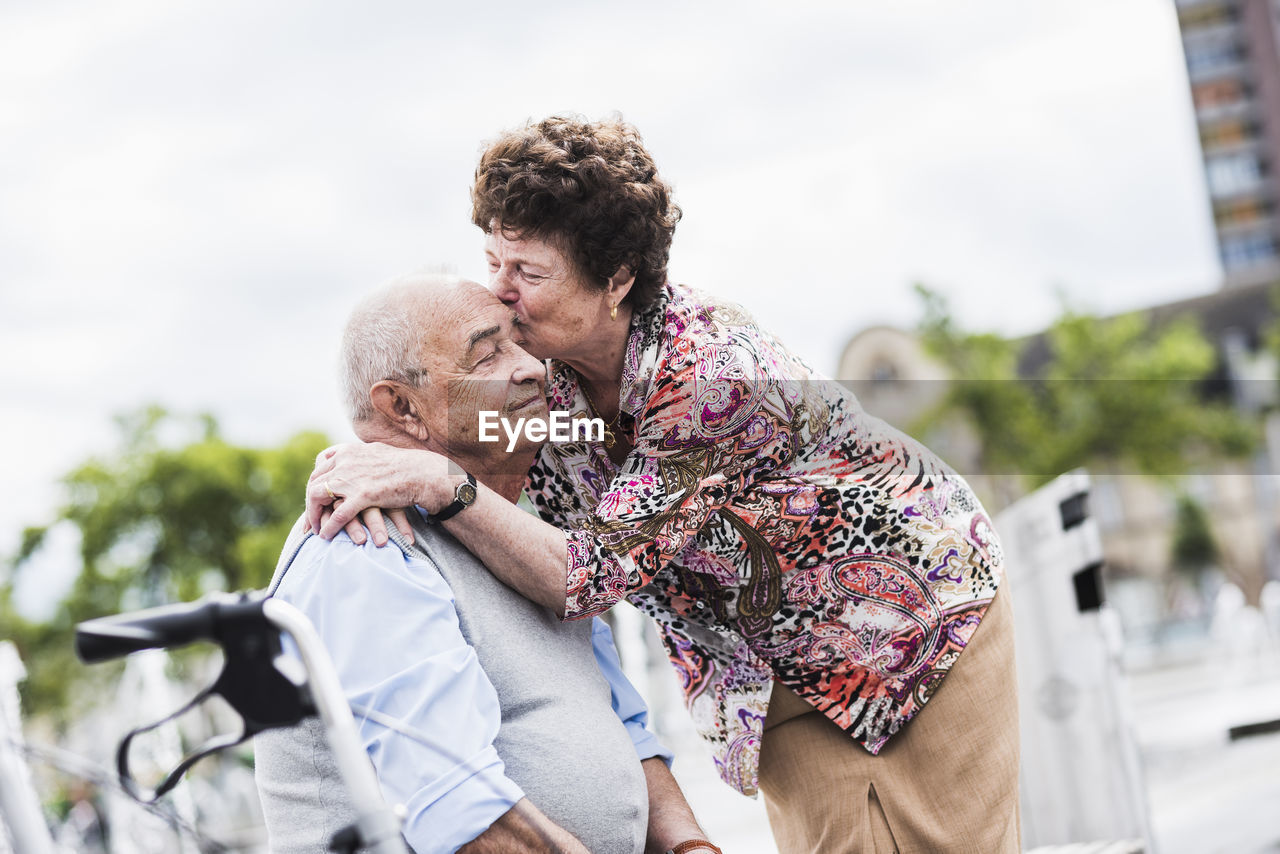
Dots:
(463, 496)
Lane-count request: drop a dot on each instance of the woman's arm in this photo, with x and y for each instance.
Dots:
(701, 444)
(519, 548)
(523, 551)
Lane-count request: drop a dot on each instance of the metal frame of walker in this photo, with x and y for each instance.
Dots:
(256, 681)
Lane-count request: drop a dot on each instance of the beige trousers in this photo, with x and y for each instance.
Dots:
(948, 782)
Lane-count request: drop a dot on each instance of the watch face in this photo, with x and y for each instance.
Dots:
(466, 493)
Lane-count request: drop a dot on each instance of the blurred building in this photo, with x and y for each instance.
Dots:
(897, 380)
(1233, 66)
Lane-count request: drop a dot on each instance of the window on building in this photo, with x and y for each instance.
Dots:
(1205, 15)
(1247, 250)
(1223, 134)
(1233, 173)
(1217, 93)
(883, 371)
(1240, 211)
(1207, 56)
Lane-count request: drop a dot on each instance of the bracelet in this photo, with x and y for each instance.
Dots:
(694, 845)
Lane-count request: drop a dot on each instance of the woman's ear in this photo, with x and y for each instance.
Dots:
(397, 406)
(620, 284)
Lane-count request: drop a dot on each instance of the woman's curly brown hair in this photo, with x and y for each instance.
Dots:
(589, 187)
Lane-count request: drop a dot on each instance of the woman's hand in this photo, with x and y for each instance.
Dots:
(352, 478)
(373, 519)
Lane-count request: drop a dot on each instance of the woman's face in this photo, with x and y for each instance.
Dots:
(560, 315)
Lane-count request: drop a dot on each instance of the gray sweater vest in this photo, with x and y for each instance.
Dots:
(559, 738)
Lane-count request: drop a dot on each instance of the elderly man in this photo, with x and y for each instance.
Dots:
(496, 725)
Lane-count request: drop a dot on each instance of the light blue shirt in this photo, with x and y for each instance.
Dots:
(389, 622)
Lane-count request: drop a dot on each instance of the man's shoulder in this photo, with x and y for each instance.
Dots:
(309, 559)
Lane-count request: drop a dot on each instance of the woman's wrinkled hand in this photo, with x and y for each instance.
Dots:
(375, 523)
(350, 479)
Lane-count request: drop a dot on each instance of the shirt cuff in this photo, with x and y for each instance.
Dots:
(461, 805)
(647, 744)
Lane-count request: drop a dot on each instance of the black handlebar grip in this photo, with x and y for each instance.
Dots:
(153, 628)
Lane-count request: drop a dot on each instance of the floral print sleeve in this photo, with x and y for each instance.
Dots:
(715, 418)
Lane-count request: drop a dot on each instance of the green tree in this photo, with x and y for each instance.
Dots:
(1194, 548)
(160, 520)
(1115, 394)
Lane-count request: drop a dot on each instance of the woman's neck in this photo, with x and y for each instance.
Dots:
(600, 365)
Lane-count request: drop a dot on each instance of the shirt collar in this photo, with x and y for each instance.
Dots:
(641, 361)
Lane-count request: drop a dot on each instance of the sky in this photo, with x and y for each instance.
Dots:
(192, 196)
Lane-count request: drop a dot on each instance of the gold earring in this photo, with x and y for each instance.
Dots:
(613, 312)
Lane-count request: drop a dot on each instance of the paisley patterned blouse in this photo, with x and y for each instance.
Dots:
(772, 528)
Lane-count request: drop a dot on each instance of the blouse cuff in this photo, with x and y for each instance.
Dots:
(596, 579)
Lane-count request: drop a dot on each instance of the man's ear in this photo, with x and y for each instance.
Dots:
(392, 400)
(620, 284)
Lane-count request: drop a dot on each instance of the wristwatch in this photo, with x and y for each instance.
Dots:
(463, 496)
(692, 845)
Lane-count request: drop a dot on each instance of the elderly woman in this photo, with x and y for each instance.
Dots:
(817, 578)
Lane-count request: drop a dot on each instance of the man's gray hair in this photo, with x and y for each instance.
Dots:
(383, 339)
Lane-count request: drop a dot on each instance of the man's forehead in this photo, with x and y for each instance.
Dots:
(466, 315)
(478, 304)
(447, 304)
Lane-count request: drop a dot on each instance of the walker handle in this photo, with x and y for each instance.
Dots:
(161, 628)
